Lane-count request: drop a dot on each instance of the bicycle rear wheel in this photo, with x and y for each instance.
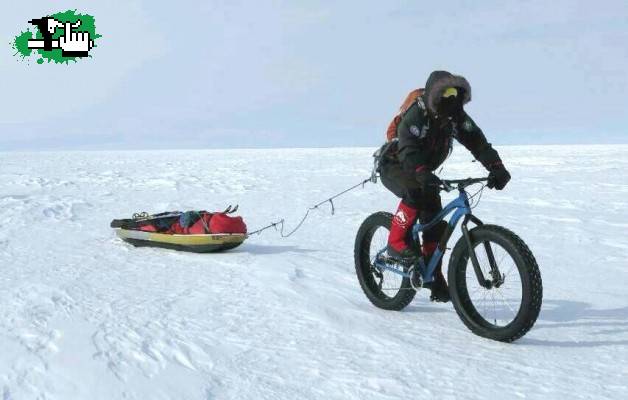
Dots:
(509, 308)
(384, 288)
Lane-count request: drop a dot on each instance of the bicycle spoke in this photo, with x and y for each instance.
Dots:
(484, 300)
(514, 313)
(502, 259)
(494, 309)
(511, 268)
(475, 290)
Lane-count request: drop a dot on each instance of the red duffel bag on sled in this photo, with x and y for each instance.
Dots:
(226, 224)
(196, 231)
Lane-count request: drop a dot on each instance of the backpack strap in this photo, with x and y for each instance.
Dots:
(411, 98)
(421, 104)
(415, 96)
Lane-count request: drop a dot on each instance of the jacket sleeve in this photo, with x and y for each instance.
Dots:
(472, 137)
(413, 151)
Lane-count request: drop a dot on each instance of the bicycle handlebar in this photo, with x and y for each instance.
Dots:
(451, 184)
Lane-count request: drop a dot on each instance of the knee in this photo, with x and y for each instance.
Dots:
(435, 233)
(429, 210)
(413, 198)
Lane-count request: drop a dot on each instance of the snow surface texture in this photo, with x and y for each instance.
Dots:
(86, 316)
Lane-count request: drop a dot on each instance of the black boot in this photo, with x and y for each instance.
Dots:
(438, 287)
(440, 290)
(408, 254)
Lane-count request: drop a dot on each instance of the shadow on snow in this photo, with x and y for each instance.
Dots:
(565, 314)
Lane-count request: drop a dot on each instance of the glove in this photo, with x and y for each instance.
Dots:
(428, 182)
(498, 178)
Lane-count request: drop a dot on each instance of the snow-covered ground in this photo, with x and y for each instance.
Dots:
(85, 316)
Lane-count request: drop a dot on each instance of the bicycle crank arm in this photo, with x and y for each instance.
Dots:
(383, 265)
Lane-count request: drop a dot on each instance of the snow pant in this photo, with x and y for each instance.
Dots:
(405, 186)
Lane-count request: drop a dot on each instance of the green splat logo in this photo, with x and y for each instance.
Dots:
(58, 38)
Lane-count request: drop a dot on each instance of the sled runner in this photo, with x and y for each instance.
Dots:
(193, 231)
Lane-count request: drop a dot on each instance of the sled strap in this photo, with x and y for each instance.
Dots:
(281, 223)
(205, 227)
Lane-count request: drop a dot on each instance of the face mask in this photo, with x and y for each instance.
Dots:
(449, 107)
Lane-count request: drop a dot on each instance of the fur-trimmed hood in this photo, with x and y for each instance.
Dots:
(438, 82)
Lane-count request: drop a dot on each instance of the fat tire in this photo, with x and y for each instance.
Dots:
(532, 286)
(363, 266)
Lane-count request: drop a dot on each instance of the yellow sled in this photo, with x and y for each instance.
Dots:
(205, 243)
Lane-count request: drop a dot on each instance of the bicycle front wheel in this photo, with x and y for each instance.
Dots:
(508, 309)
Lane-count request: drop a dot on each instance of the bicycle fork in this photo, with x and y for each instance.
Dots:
(497, 278)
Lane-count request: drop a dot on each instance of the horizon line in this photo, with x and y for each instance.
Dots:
(145, 149)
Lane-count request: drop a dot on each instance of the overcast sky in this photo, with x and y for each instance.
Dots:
(208, 74)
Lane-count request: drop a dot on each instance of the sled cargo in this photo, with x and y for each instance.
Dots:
(193, 231)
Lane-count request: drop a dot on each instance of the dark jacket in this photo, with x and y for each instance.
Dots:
(425, 143)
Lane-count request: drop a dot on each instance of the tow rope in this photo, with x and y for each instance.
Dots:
(233, 228)
(280, 225)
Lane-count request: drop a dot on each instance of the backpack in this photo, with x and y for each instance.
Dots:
(411, 98)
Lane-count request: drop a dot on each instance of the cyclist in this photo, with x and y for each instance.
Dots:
(425, 130)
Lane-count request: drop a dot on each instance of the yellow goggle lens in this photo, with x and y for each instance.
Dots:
(452, 91)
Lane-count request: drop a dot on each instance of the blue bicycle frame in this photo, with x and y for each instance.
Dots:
(461, 209)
